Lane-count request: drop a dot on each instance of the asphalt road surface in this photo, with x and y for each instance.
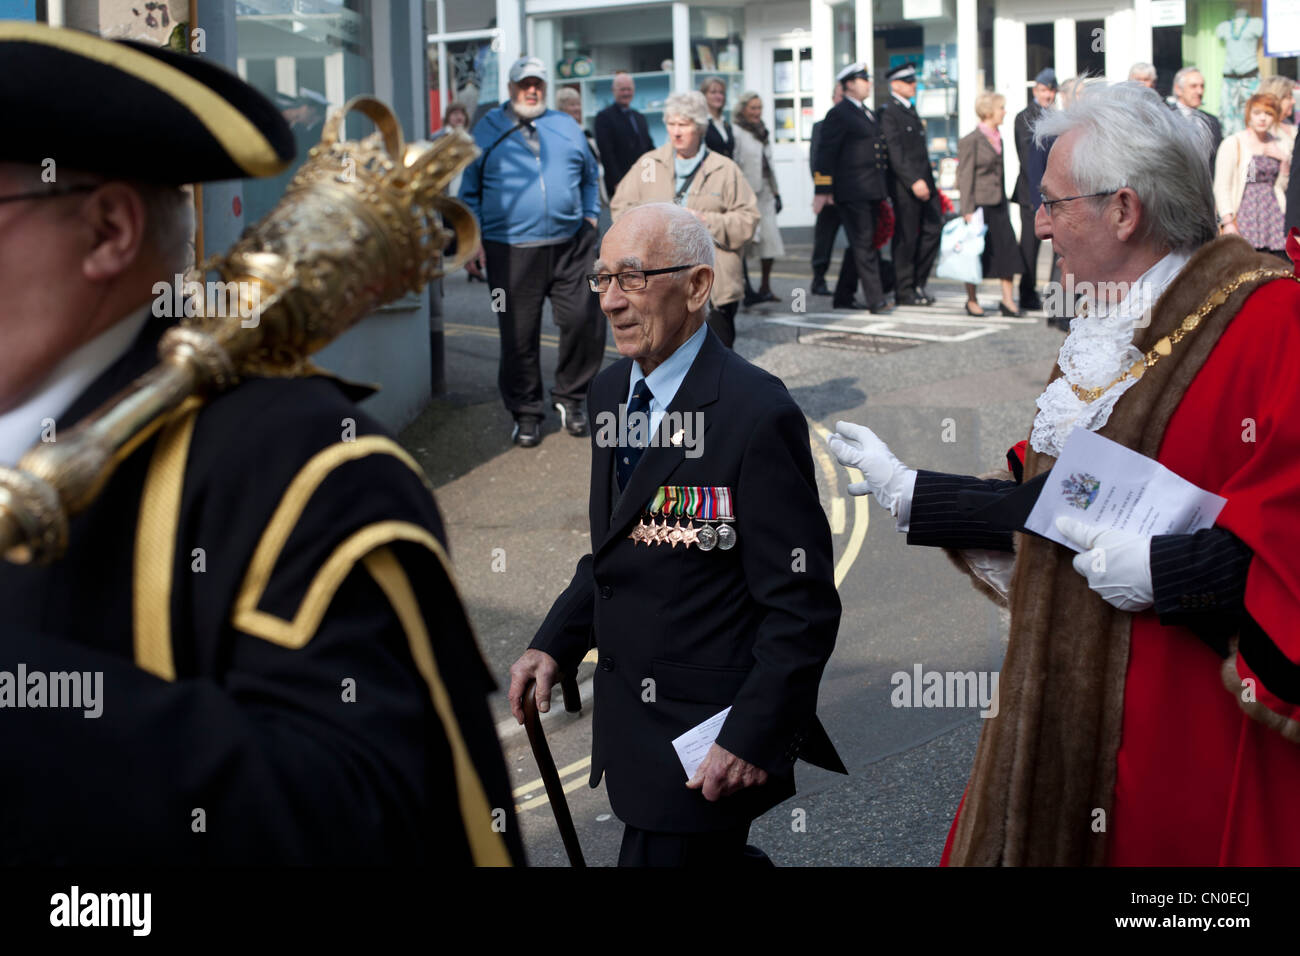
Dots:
(947, 392)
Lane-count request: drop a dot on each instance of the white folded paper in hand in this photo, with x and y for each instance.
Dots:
(1101, 482)
(693, 746)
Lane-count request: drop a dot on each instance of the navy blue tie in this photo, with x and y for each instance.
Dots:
(630, 454)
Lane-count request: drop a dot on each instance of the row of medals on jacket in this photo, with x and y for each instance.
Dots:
(711, 533)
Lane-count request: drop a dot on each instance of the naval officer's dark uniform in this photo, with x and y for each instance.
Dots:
(683, 633)
(918, 224)
(852, 166)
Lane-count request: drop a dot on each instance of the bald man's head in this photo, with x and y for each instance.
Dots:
(658, 312)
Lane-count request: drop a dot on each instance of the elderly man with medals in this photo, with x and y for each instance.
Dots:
(192, 514)
(736, 624)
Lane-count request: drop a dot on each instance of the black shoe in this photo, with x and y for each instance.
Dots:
(1009, 313)
(923, 297)
(752, 298)
(527, 433)
(819, 287)
(1031, 303)
(902, 299)
(572, 419)
(856, 305)
(881, 307)
(977, 315)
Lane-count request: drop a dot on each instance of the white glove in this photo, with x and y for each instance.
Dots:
(1116, 563)
(856, 446)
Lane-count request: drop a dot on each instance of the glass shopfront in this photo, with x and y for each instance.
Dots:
(716, 48)
(308, 57)
(585, 51)
(923, 33)
(463, 49)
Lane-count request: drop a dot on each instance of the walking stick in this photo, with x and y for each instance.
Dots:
(546, 764)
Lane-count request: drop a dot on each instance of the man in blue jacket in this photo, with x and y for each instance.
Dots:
(534, 190)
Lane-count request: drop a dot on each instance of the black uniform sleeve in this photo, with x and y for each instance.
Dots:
(942, 507)
(611, 156)
(568, 631)
(789, 572)
(1199, 582)
(331, 753)
(828, 151)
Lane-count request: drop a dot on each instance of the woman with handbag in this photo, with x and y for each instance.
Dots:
(981, 181)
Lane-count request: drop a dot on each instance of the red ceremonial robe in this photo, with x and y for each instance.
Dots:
(1199, 782)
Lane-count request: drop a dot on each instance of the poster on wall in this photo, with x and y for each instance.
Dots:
(1282, 27)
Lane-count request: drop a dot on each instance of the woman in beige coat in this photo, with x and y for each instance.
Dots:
(711, 186)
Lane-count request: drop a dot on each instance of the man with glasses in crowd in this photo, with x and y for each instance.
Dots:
(710, 582)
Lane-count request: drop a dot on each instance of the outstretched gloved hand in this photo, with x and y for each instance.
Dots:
(1116, 563)
(856, 446)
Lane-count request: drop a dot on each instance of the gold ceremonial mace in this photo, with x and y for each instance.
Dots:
(361, 224)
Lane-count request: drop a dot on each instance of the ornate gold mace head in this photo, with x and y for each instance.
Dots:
(361, 224)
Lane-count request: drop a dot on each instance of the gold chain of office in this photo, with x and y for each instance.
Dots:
(1189, 324)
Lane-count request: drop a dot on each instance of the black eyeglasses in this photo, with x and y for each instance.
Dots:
(48, 193)
(1049, 203)
(629, 281)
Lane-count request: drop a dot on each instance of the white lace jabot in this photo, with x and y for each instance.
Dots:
(1098, 348)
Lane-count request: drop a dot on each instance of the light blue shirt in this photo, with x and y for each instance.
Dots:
(683, 168)
(667, 377)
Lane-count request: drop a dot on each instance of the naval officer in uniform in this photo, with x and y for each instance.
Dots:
(918, 217)
(285, 671)
(710, 581)
(851, 169)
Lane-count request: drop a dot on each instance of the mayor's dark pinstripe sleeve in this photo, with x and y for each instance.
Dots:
(941, 513)
(1199, 582)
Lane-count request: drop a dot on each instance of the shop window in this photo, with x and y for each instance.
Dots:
(716, 45)
(792, 94)
(1089, 51)
(1040, 48)
(844, 44)
(1167, 57)
(586, 51)
(464, 68)
(308, 59)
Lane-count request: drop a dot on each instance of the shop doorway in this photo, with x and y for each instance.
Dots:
(787, 91)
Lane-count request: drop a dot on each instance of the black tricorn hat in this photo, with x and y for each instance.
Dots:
(130, 110)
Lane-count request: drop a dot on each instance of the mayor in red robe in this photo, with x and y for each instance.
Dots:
(1150, 695)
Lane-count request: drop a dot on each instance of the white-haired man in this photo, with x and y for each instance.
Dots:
(729, 621)
(1189, 91)
(1149, 697)
(1143, 73)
